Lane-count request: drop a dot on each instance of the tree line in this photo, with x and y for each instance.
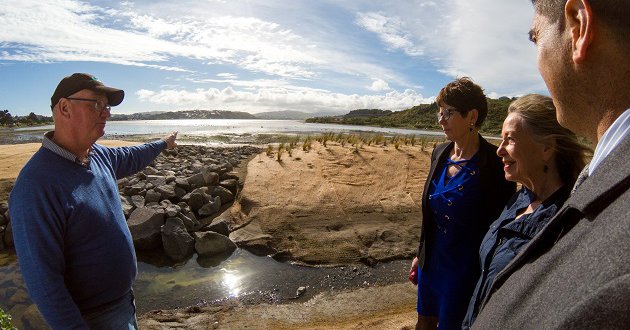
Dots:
(421, 116)
(8, 120)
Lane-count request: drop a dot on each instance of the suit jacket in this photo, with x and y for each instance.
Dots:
(493, 185)
(576, 273)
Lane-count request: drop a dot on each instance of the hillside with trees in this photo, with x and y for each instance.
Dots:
(8, 120)
(422, 116)
(185, 114)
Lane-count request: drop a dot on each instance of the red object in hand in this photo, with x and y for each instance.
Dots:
(413, 276)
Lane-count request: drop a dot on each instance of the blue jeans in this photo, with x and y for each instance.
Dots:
(121, 316)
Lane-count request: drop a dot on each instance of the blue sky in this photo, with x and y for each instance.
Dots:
(265, 55)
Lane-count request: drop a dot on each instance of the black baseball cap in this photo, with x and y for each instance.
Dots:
(80, 81)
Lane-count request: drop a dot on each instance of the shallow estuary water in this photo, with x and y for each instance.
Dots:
(243, 276)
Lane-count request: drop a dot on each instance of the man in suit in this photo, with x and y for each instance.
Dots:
(576, 272)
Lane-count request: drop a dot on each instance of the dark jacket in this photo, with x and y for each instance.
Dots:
(507, 236)
(495, 188)
(576, 273)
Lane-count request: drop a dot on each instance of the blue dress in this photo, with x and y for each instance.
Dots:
(448, 279)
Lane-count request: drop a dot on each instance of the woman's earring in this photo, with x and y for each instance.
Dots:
(471, 127)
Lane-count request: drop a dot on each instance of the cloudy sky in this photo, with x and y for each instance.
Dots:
(265, 55)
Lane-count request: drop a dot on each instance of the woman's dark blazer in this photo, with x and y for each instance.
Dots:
(495, 189)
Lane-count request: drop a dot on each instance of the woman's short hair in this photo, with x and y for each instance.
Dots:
(464, 95)
(538, 115)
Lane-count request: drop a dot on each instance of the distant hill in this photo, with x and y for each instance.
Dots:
(185, 114)
(421, 116)
(294, 115)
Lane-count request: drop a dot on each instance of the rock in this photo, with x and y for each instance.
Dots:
(179, 192)
(300, 291)
(152, 196)
(150, 171)
(195, 201)
(226, 195)
(135, 189)
(167, 191)
(219, 225)
(230, 184)
(8, 235)
(145, 227)
(19, 297)
(182, 183)
(191, 224)
(171, 178)
(127, 205)
(211, 207)
(210, 177)
(137, 201)
(209, 243)
(253, 238)
(172, 210)
(196, 181)
(156, 180)
(178, 244)
(228, 176)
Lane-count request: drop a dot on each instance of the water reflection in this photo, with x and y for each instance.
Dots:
(232, 280)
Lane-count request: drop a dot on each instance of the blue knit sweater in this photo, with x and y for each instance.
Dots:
(73, 244)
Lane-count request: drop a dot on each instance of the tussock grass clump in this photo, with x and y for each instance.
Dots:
(281, 148)
(269, 150)
(306, 146)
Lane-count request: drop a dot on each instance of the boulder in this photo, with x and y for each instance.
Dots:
(210, 208)
(230, 184)
(219, 225)
(226, 195)
(152, 196)
(177, 242)
(136, 189)
(210, 177)
(127, 205)
(196, 181)
(156, 180)
(145, 226)
(209, 244)
(179, 192)
(167, 191)
(190, 223)
(253, 239)
(150, 171)
(137, 201)
(182, 183)
(195, 201)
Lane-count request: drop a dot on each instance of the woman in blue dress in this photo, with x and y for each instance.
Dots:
(465, 191)
(545, 159)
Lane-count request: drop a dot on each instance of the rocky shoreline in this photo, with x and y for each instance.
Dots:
(182, 204)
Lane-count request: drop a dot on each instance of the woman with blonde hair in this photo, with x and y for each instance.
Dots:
(546, 159)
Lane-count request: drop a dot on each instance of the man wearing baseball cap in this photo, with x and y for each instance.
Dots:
(73, 244)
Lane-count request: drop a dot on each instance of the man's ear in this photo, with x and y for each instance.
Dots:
(580, 22)
(63, 108)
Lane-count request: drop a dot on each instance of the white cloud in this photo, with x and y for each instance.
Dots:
(391, 30)
(281, 98)
(32, 32)
(483, 39)
(379, 85)
(227, 75)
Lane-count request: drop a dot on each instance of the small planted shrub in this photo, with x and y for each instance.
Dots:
(280, 151)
